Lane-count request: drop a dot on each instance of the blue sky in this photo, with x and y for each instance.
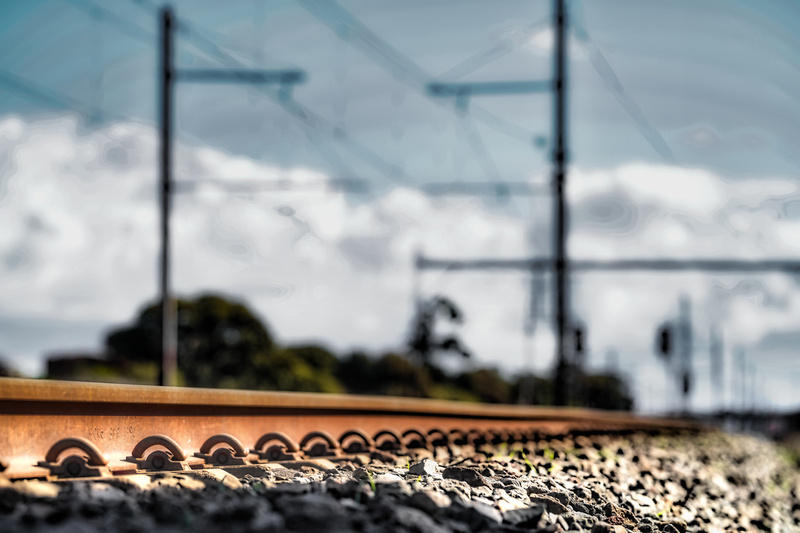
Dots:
(683, 128)
(714, 79)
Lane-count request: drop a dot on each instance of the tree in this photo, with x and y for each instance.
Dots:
(317, 357)
(487, 384)
(606, 391)
(219, 340)
(7, 371)
(221, 343)
(283, 369)
(395, 375)
(357, 373)
(424, 343)
(531, 389)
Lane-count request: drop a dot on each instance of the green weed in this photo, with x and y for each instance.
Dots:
(525, 458)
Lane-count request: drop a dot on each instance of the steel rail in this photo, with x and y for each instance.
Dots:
(118, 429)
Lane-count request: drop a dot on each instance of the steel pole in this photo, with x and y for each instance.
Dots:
(169, 334)
(563, 381)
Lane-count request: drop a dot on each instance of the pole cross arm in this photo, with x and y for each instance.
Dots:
(426, 263)
(255, 185)
(655, 265)
(484, 188)
(462, 90)
(707, 265)
(241, 76)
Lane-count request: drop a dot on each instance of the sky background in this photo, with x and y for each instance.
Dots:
(683, 131)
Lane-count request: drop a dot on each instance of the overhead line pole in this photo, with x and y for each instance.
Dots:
(169, 332)
(558, 85)
(563, 375)
(168, 76)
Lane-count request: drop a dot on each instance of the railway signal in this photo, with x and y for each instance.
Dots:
(579, 340)
(664, 340)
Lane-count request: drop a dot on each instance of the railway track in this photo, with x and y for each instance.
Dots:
(51, 429)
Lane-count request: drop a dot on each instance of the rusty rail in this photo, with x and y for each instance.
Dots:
(71, 429)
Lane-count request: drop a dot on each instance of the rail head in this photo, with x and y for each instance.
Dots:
(72, 393)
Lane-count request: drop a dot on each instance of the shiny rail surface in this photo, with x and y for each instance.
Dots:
(72, 429)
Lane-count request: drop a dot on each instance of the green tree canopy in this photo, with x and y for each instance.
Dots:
(218, 340)
(606, 391)
(221, 343)
(487, 384)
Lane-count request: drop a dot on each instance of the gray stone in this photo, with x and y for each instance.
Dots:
(159, 482)
(287, 488)
(560, 496)
(528, 517)
(312, 513)
(454, 486)
(268, 522)
(577, 518)
(477, 515)
(551, 504)
(134, 481)
(467, 475)
(387, 478)
(429, 501)
(511, 482)
(504, 502)
(586, 508)
(582, 492)
(107, 494)
(484, 492)
(537, 487)
(36, 489)
(217, 477)
(424, 468)
(392, 486)
(601, 527)
(679, 525)
(416, 520)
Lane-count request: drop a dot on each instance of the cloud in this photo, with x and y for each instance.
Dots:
(79, 244)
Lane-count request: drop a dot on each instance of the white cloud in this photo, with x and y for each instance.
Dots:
(80, 227)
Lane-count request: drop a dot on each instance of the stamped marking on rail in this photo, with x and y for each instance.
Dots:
(112, 433)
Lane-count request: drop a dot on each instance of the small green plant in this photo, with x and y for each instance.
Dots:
(371, 482)
(408, 464)
(419, 479)
(525, 458)
(549, 454)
